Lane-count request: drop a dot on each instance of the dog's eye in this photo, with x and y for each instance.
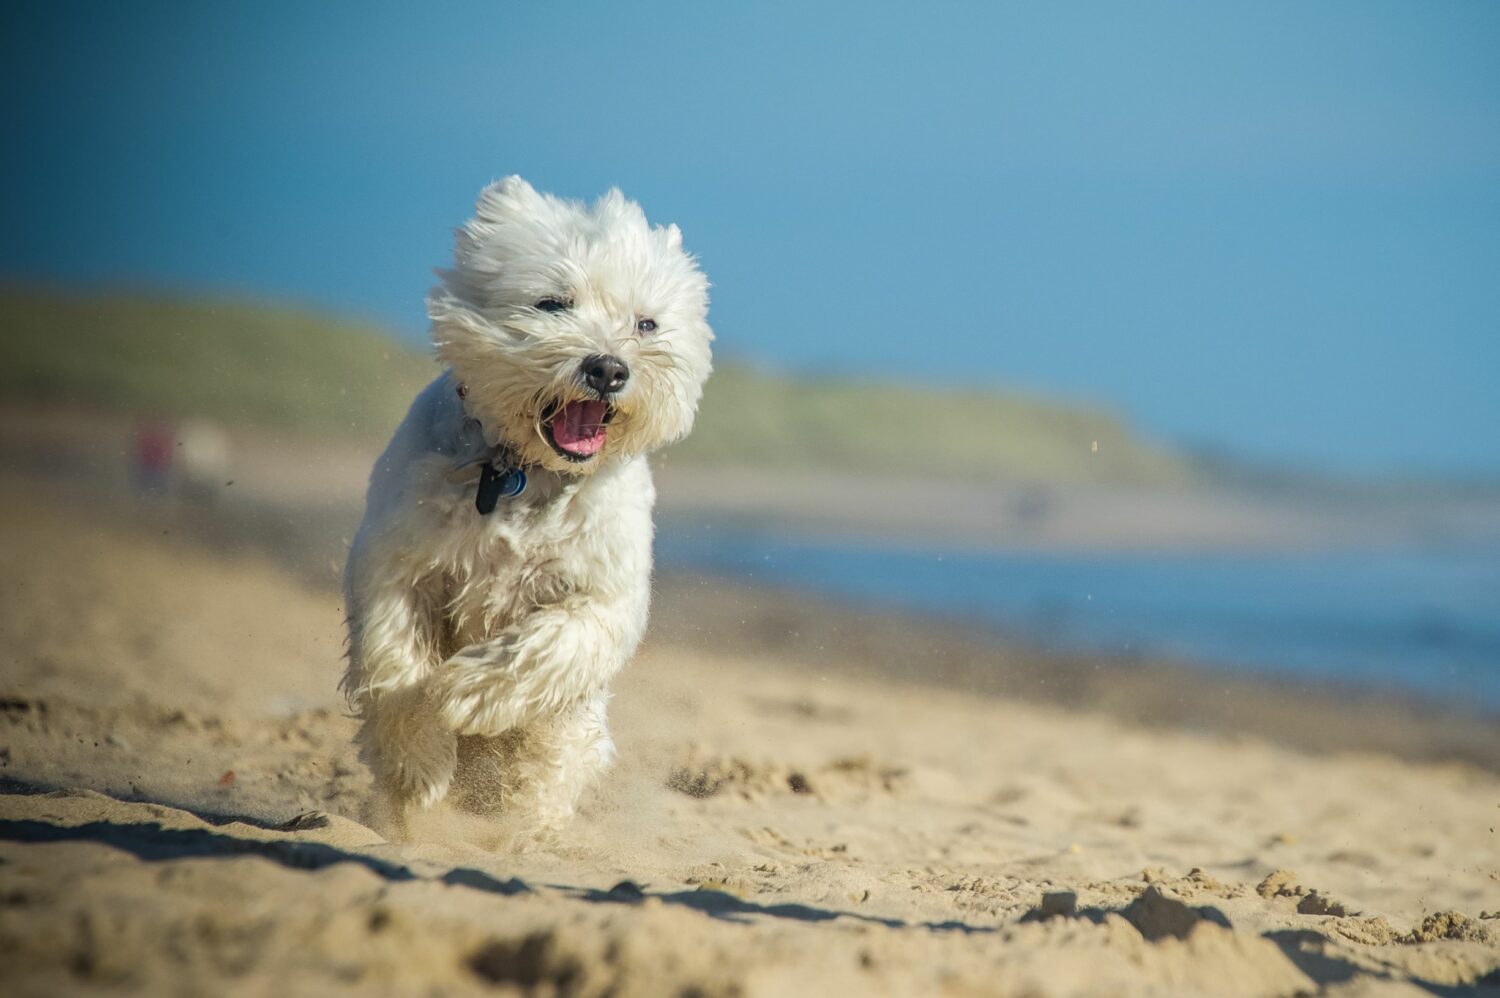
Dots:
(645, 326)
(554, 305)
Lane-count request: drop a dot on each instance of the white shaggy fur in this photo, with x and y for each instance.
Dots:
(481, 646)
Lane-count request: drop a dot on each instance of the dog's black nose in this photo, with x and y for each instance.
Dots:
(605, 374)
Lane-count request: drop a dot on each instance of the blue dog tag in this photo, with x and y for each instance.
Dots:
(495, 483)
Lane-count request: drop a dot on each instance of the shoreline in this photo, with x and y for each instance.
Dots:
(1152, 693)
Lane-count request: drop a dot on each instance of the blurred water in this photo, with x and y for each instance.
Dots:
(1404, 619)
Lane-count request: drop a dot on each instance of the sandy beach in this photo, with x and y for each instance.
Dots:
(808, 801)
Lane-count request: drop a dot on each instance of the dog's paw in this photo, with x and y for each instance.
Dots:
(424, 793)
(422, 768)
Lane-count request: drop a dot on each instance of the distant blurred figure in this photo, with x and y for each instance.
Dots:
(202, 461)
(151, 469)
(1032, 504)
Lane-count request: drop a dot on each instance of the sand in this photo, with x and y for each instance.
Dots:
(182, 813)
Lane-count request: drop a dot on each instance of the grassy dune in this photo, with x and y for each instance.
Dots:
(750, 417)
(261, 365)
(238, 362)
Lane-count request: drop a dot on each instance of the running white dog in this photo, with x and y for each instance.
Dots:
(501, 575)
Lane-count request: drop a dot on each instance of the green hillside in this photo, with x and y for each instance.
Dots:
(235, 361)
(270, 366)
(751, 417)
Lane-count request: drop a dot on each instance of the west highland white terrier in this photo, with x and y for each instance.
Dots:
(501, 575)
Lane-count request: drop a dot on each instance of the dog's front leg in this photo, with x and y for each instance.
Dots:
(404, 739)
(547, 661)
(408, 747)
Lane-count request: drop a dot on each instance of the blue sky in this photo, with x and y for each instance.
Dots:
(1273, 227)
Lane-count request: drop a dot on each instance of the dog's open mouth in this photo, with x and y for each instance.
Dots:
(576, 430)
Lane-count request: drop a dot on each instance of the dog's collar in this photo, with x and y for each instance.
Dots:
(499, 476)
(499, 473)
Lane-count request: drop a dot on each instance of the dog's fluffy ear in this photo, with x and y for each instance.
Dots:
(674, 237)
(615, 205)
(506, 198)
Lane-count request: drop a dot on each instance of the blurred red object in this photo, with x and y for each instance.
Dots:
(155, 441)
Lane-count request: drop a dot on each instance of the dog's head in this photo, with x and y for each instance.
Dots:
(579, 332)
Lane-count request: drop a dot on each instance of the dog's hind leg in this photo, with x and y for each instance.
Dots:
(579, 749)
(531, 777)
(483, 781)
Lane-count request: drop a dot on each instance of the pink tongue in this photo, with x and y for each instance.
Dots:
(579, 427)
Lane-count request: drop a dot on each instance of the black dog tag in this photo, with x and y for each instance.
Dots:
(494, 483)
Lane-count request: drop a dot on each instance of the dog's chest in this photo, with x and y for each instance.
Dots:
(502, 566)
